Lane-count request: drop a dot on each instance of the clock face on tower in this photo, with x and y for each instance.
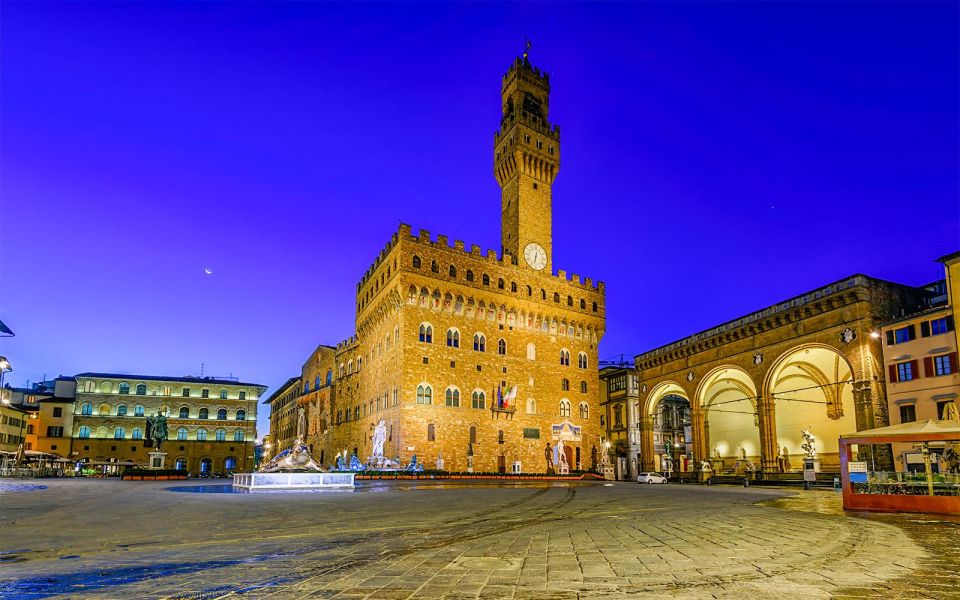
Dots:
(535, 256)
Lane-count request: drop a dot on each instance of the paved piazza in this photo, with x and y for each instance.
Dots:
(113, 539)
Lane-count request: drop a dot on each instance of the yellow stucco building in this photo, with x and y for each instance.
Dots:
(483, 359)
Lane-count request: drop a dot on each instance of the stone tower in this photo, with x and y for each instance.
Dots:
(527, 158)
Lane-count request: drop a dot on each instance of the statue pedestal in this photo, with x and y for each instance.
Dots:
(705, 475)
(811, 464)
(563, 470)
(440, 463)
(608, 472)
(158, 460)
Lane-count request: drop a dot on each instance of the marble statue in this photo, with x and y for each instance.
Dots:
(379, 437)
(809, 443)
(301, 422)
(706, 466)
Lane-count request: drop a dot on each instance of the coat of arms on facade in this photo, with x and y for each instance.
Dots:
(690, 375)
(758, 358)
(848, 335)
(643, 389)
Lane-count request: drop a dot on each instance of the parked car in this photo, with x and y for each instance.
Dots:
(651, 478)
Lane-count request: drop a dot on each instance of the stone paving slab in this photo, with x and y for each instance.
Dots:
(112, 539)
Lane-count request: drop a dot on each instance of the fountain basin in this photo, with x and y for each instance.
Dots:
(287, 481)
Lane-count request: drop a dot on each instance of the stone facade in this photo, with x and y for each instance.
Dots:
(283, 417)
(753, 383)
(441, 327)
(212, 422)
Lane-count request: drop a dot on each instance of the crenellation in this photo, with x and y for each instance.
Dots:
(442, 240)
(458, 245)
(474, 250)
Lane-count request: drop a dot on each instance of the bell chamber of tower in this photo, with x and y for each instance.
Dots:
(527, 158)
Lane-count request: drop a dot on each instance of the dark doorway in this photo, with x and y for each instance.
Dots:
(501, 464)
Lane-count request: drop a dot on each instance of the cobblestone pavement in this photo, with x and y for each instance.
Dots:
(113, 539)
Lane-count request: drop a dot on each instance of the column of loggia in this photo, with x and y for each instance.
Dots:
(633, 438)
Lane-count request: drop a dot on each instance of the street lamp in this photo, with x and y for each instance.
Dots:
(4, 367)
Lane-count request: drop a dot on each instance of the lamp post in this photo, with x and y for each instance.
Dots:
(4, 367)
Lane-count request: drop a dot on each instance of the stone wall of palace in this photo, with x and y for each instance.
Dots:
(377, 373)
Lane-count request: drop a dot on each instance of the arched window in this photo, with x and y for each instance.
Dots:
(122, 410)
(222, 414)
(500, 436)
(426, 333)
(205, 465)
(220, 435)
(594, 307)
(184, 412)
(556, 297)
(569, 300)
(306, 387)
(453, 271)
(583, 387)
(431, 432)
(513, 286)
(531, 406)
(434, 268)
(531, 351)
(529, 291)
(316, 383)
(230, 464)
(86, 409)
(106, 387)
(141, 389)
(203, 414)
(201, 435)
(223, 394)
(241, 415)
(349, 372)
(238, 435)
(501, 346)
(88, 386)
(583, 304)
(582, 360)
(565, 358)
(181, 464)
(584, 410)
(453, 338)
(486, 279)
(330, 375)
(479, 400)
(137, 433)
(124, 388)
(84, 432)
(565, 385)
(416, 262)
(543, 294)
(424, 394)
(104, 409)
(138, 410)
(182, 434)
(452, 397)
(469, 275)
(564, 408)
(479, 342)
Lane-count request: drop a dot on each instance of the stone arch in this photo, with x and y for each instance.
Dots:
(652, 450)
(727, 418)
(810, 386)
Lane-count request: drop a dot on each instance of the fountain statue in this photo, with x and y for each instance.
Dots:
(294, 468)
(297, 458)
